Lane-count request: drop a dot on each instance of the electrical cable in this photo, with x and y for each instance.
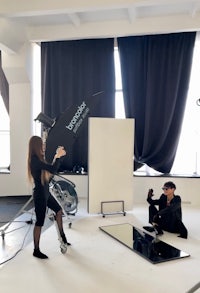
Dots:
(28, 222)
(23, 242)
(5, 261)
(15, 229)
(16, 221)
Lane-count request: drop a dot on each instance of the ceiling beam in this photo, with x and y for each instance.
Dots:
(75, 19)
(132, 14)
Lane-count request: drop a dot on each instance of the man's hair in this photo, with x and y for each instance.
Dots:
(170, 184)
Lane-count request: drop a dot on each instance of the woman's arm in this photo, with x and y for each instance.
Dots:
(60, 152)
(37, 164)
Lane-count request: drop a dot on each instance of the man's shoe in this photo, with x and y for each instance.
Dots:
(149, 228)
(183, 236)
(158, 230)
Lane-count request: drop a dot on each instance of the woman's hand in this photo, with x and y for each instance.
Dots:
(60, 152)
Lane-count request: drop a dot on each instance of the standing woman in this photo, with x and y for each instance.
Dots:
(40, 173)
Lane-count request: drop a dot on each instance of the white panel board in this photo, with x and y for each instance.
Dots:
(110, 163)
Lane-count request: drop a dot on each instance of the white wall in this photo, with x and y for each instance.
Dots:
(81, 182)
(187, 188)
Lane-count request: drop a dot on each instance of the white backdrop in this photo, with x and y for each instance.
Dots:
(110, 163)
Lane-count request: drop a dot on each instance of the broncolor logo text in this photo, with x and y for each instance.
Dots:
(76, 116)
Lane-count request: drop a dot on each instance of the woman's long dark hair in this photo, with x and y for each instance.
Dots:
(36, 148)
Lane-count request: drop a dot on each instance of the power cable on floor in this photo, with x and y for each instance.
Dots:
(22, 246)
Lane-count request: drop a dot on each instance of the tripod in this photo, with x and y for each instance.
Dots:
(22, 210)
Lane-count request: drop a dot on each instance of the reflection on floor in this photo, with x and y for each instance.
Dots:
(95, 262)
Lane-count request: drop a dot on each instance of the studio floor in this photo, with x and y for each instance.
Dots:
(96, 263)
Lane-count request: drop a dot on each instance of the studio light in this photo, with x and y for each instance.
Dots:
(45, 120)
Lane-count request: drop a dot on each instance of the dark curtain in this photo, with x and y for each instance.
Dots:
(73, 71)
(4, 87)
(155, 78)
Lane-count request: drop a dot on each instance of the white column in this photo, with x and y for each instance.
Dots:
(17, 68)
(111, 145)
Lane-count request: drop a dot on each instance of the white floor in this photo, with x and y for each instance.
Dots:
(96, 263)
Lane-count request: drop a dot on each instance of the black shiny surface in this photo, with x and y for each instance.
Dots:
(145, 244)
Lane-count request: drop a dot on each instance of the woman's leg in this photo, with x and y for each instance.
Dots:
(36, 238)
(59, 221)
(54, 206)
(40, 212)
(60, 226)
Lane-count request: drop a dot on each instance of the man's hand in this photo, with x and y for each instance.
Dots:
(150, 193)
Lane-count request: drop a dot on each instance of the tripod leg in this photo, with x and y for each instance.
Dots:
(22, 210)
(3, 234)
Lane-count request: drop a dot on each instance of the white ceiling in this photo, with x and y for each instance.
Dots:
(63, 19)
(79, 15)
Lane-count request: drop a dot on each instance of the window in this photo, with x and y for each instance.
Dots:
(36, 108)
(119, 102)
(187, 161)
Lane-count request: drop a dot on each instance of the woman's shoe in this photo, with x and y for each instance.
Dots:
(37, 253)
(64, 239)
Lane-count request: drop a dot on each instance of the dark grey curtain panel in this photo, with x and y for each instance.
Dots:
(72, 71)
(4, 87)
(155, 79)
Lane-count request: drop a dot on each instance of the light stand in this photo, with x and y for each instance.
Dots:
(48, 123)
(22, 210)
